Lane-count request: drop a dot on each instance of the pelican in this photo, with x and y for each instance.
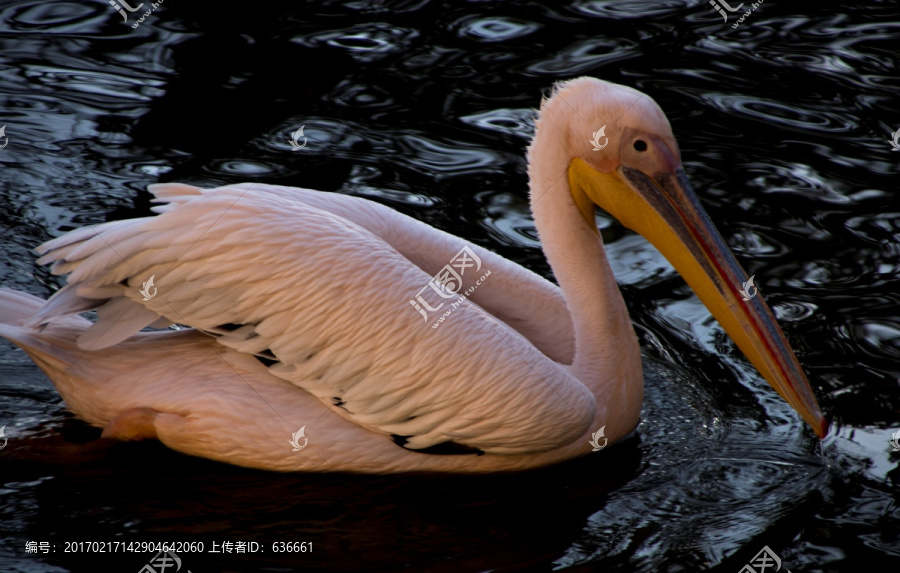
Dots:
(301, 308)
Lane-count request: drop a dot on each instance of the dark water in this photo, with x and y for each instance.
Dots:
(783, 124)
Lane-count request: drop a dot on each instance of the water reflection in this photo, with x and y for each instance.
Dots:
(496, 29)
(427, 107)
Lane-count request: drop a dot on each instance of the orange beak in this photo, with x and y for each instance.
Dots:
(664, 209)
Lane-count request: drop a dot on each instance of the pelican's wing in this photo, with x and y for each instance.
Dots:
(517, 297)
(327, 303)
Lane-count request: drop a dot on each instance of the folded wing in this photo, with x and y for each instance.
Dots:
(325, 303)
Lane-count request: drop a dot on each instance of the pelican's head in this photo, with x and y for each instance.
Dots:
(638, 179)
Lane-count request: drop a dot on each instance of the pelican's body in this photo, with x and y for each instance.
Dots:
(300, 303)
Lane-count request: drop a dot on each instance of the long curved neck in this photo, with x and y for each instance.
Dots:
(607, 355)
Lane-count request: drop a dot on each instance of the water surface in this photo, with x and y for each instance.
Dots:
(783, 125)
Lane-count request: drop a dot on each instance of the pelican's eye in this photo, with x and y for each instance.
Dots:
(640, 145)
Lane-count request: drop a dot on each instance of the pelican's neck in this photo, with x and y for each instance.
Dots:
(607, 355)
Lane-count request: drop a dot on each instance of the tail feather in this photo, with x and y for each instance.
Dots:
(65, 301)
(16, 307)
(45, 347)
(116, 320)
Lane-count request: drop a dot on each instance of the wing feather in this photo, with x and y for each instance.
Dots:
(117, 320)
(272, 275)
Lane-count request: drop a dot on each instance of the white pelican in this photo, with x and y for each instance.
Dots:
(299, 303)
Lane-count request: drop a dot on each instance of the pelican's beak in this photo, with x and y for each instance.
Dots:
(664, 209)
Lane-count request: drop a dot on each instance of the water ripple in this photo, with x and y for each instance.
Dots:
(518, 122)
(783, 114)
(614, 10)
(496, 29)
(583, 56)
(60, 17)
(367, 42)
(451, 158)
